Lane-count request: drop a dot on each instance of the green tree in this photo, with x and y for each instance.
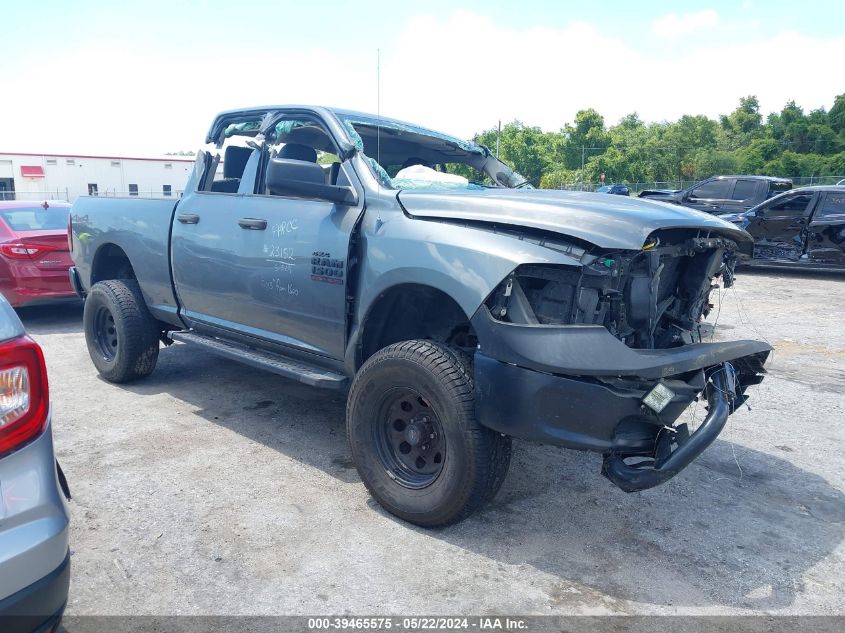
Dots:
(836, 116)
(526, 149)
(753, 158)
(743, 124)
(584, 139)
(789, 143)
(712, 162)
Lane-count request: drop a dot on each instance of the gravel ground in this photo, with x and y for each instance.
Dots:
(214, 488)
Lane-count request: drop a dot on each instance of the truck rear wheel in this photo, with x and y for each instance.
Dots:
(414, 437)
(121, 334)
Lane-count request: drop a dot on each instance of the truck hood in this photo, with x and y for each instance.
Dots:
(613, 222)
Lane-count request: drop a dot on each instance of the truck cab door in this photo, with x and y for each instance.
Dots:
(268, 270)
(826, 235)
(744, 195)
(779, 227)
(709, 196)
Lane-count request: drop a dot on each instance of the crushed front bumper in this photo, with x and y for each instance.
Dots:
(580, 387)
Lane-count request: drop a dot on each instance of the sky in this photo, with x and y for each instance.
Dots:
(145, 78)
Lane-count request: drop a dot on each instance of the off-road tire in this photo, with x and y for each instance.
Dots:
(476, 458)
(136, 332)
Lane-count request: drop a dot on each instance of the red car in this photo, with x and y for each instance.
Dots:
(34, 257)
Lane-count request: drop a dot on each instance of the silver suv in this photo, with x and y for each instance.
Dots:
(34, 554)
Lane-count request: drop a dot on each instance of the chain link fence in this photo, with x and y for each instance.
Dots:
(107, 193)
(637, 187)
(136, 193)
(58, 194)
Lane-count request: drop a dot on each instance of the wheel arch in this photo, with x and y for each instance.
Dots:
(111, 262)
(408, 311)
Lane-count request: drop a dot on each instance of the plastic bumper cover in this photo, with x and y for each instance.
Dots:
(582, 388)
(38, 606)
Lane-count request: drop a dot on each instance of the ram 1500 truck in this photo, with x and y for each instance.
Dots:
(458, 306)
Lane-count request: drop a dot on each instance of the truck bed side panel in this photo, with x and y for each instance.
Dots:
(141, 229)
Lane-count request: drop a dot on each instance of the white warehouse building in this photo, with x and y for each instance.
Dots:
(68, 176)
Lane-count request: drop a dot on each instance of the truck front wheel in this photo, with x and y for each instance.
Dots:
(414, 437)
(121, 334)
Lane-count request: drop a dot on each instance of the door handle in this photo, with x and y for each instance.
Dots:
(252, 224)
(188, 218)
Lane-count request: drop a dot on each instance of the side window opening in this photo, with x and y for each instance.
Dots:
(744, 190)
(792, 206)
(303, 140)
(228, 164)
(833, 205)
(713, 190)
(330, 164)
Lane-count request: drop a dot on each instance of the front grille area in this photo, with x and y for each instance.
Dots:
(652, 298)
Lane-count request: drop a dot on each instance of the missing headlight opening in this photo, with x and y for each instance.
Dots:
(653, 298)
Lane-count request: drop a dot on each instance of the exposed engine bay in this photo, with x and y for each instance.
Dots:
(653, 298)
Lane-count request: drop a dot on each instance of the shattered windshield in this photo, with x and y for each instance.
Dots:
(404, 156)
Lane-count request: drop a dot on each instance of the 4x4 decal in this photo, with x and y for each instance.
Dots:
(326, 269)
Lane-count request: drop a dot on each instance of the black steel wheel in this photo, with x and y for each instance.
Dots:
(105, 333)
(418, 448)
(122, 335)
(410, 440)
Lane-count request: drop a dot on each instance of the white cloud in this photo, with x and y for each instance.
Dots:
(479, 71)
(672, 25)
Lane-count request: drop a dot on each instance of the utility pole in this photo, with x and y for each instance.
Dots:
(498, 135)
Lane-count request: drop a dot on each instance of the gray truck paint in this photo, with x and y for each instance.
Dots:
(318, 281)
(138, 227)
(214, 274)
(622, 223)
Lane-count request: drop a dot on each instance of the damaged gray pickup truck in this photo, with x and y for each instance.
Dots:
(458, 306)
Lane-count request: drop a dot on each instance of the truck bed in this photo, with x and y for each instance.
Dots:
(140, 228)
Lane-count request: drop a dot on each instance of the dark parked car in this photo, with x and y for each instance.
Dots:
(723, 194)
(802, 228)
(34, 555)
(616, 188)
(34, 257)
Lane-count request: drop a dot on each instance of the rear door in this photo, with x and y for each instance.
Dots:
(744, 194)
(244, 262)
(710, 196)
(826, 235)
(779, 227)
